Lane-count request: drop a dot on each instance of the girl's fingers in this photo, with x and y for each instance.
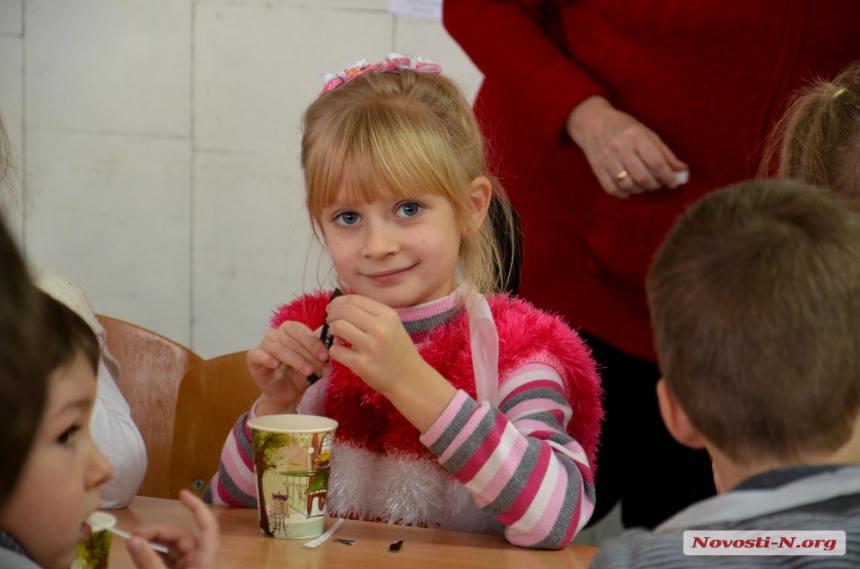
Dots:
(305, 342)
(143, 556)
(163, 533)
(207, 541)
(295, 346)
(356, 315)
(292, 354)
(347, 332)
(186, 548)
(261, 359)
(344, 356)
(368, 305)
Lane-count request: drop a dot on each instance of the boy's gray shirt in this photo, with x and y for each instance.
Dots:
(12, 560)
(825, 497)
(12, 555)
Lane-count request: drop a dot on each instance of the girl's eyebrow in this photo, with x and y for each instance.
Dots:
(81, 404)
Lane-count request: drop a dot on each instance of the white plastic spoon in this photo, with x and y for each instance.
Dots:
(316, 542)
(107, 521)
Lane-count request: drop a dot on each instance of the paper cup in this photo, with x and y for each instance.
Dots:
(292, 461)
(94, 552)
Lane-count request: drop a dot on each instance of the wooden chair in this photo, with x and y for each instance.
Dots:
(151, 370)
(213, 395)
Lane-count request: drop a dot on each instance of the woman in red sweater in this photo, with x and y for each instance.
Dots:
(592, 107)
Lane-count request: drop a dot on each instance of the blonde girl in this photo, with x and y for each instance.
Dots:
(458, 408)
(817, 140)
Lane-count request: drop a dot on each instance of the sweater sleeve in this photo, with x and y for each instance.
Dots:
(118, 439)
(234, 484)
(518, 460)
(506, 41)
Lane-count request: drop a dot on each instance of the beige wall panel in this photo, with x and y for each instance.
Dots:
(251, 246)
(257, 67)
(109, 66)
(112, 212)
(11, 17)
(377, 5)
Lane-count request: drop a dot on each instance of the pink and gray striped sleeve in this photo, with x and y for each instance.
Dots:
(518, 460)
(234, 484)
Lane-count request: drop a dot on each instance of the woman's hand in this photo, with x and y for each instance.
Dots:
(626, 156)
(382, 354)
(281, 366)
(187, 551)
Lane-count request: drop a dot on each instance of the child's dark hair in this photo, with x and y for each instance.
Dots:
(23, 369)
(70, 336)
(817, 140)
(755, 304)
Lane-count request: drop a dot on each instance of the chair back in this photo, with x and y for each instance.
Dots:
(213, 395)
(151, 370)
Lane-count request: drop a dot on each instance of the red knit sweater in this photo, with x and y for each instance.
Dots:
(708, 76)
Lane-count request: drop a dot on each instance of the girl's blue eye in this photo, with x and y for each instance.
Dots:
(410, 209)
(347, 218)
(63, 439)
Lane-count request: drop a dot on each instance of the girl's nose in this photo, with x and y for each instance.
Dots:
(380, 240)
(99, 469)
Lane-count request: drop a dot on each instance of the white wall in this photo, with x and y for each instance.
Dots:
(157, 142)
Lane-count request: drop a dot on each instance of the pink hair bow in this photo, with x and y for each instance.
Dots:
(393, 63)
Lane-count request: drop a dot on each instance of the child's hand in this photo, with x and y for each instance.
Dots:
(381, 352)
(383, 355)
(281, 366)
(187, 551)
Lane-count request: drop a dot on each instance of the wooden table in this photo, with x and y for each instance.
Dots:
(242, 546)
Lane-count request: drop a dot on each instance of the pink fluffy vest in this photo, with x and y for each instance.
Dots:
(375, 441)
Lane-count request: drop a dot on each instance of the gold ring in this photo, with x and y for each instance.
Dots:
(620, 176)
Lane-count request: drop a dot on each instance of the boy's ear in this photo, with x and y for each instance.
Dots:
(676, 420)
(480, 193)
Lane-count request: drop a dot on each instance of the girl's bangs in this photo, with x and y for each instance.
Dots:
(378, 159)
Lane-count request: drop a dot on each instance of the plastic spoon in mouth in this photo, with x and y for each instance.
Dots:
(106, 521)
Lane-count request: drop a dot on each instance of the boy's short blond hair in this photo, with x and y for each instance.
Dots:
(755, 304)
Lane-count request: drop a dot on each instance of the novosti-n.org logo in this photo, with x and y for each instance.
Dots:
(764, 542)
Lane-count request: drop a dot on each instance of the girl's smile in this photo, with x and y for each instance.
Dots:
(389, 277)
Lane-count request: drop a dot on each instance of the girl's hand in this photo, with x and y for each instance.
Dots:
(281, 366)
(383, 355)
(187, 551)
(615, 143)
(381, 352)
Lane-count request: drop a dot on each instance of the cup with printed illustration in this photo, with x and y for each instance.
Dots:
(292, 460)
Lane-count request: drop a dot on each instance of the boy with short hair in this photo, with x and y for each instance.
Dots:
(755, 303)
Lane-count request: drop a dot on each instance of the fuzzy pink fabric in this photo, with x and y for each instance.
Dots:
(526, 334)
